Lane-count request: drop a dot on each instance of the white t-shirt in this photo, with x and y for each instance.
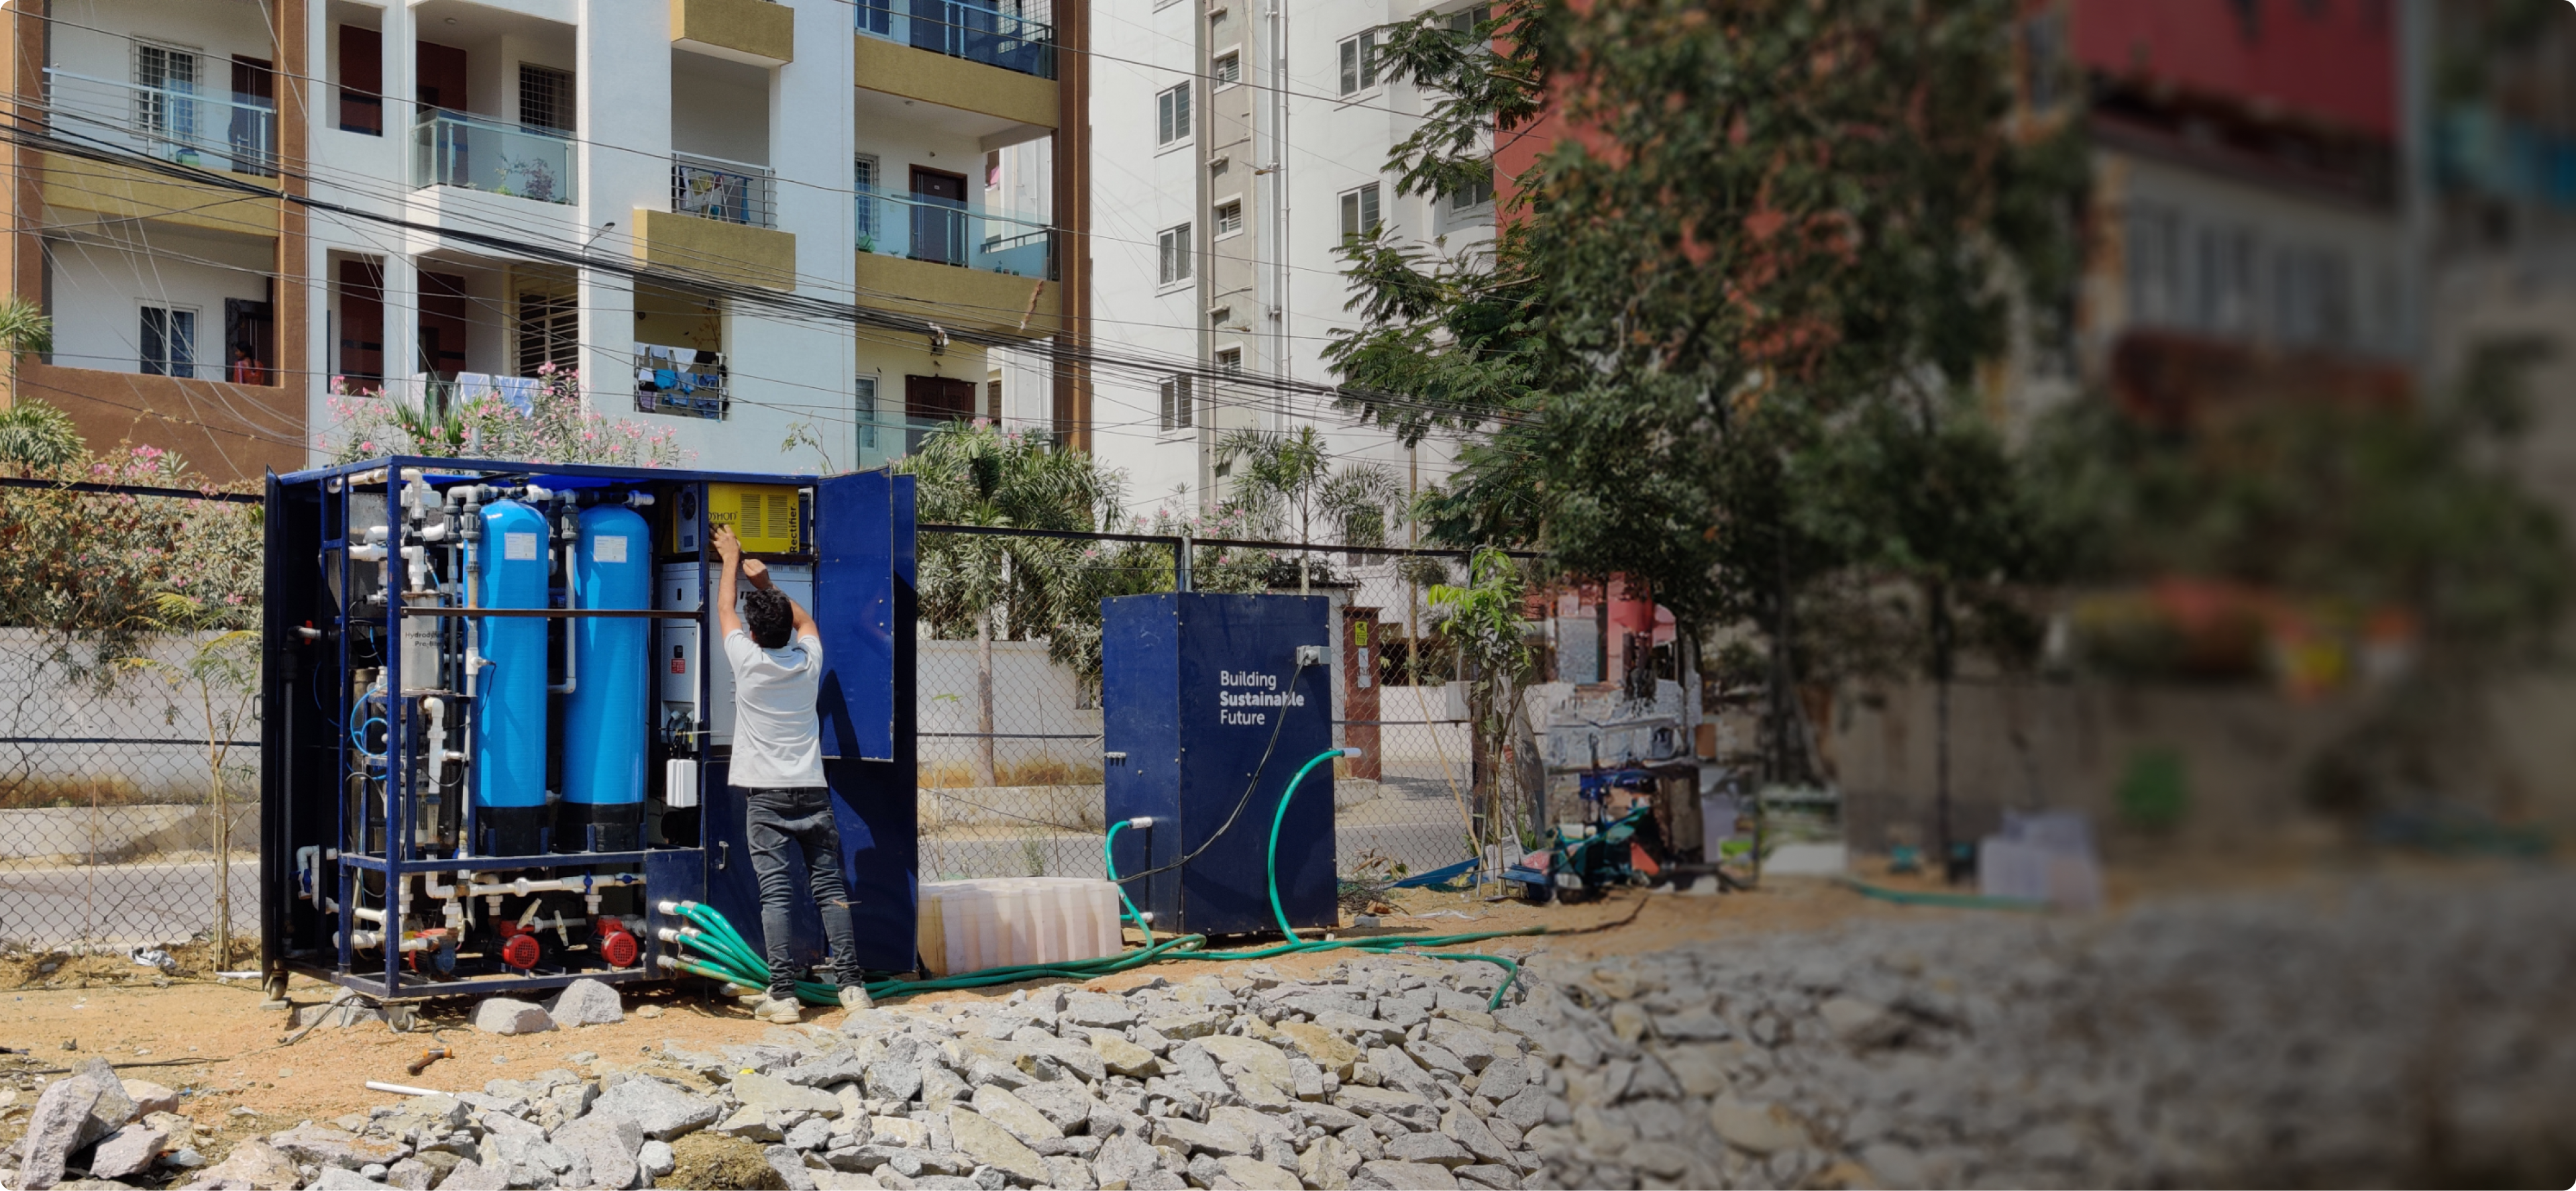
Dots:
(777, 744)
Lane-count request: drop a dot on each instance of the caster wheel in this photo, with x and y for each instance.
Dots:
(402, 1019)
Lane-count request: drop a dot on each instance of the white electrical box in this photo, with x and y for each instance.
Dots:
(678, 654)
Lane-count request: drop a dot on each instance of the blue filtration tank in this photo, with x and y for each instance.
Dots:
(604, 716)
(510, 702)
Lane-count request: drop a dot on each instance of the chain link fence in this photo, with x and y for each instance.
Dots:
(121, 822)
(1015, 790)
(122, 818)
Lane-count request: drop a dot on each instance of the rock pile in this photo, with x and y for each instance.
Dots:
(1388, 1072)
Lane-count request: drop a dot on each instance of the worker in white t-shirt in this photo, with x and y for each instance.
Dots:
(777, 659)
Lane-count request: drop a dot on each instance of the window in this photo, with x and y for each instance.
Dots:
(1176, 404)
(863, 181)
(1360, 212)
(2224, 289)
(1228, 70)
(2154, 262)
(1220, 316)
(1229, 360)
(545, 97)
(549, 332)
(165, 82)
(1172, 115)
(992, 169)
(2312, 296)
(1466, 20)
(1229, 218)
(1359, 63)
(993, 399)
(1173, 255)
(362, 75)
(169, 341)
(1217, 168)
(867, 413)
(1474, 194)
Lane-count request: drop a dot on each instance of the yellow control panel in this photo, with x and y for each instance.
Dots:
(766, 518)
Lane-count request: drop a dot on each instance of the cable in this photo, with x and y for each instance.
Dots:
(1248, 788)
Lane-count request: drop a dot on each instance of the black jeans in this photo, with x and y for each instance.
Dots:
(802, 818)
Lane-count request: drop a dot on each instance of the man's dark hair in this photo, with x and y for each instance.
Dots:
(770, 616)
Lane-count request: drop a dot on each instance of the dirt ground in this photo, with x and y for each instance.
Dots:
(211, 1040)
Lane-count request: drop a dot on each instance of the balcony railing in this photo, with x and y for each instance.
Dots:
(171, 123)
(731, 191)
(454, 149)
(949, 232)
(681, 382)
(1014, 36)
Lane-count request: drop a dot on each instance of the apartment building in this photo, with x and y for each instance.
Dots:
(738, 219)
(1237, 144)
(2250, 223)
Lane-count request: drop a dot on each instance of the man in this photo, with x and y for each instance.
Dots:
(777, 659)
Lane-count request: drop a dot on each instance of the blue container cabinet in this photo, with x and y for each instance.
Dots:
(1196, 691)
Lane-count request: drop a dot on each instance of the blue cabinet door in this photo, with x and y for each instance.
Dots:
(864, 608)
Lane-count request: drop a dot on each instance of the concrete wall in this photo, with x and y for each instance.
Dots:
(2026, 746)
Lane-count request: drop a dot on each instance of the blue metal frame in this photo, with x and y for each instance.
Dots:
(869, 714)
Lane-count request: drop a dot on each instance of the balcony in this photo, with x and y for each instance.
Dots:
(1014, 40)
(726, 191)
(959, 264)
(757, 32)
(949, 232)
(170, 123)
(472, 153)
(681, 382)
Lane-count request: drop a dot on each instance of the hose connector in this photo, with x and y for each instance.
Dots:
(1354, 752)
(1141, 822)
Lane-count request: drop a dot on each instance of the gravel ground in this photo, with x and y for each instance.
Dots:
(2378, 1031)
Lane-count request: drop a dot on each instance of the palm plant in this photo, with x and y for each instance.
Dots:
(1288, 485)
(973, 473)
(33, 436)
(36, 437)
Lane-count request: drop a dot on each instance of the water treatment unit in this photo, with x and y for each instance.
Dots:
(1212, 705)
(494, 747)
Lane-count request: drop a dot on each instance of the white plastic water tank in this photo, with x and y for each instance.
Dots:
(995, 922)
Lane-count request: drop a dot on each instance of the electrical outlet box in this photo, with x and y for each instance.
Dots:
(1311, 655)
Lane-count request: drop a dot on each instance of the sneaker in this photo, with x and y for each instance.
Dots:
(855, 996)
(784, 1012)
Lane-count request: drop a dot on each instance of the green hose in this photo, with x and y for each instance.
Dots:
(1109, 864)
(1952, 901)
(725, 955)
(1276, 820)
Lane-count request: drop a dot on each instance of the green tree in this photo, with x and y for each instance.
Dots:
(1929, 496)
(1285, 483)
(1482, 620)
(974, 473)
(1778, 212)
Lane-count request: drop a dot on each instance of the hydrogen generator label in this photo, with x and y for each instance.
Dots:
(1244, 696)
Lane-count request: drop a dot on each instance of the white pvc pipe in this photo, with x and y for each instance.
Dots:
(401, 1089)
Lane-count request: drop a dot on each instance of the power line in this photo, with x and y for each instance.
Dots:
(785, 303)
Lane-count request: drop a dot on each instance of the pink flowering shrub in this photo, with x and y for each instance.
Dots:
(557, 427)
(86, 569)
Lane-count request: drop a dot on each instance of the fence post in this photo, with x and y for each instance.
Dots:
(1181, 563)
